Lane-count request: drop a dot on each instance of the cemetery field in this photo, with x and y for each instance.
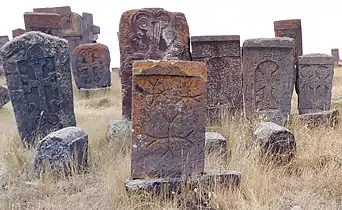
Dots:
(313, 180)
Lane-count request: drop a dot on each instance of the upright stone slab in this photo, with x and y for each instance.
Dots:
(224, 88)
(4, 96)
(149, 33)
(336, 56)
(37, 69)
(48, 23)
(268, 77)
(17, 32)
(91, 66)
(315, 76)
(168, 119)
(3, 41)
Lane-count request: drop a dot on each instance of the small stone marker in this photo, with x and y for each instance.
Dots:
(149, 33)
(268, 77)
(327, 118)
(91, 66)
(48, 23)
(37, 69)
(168, 119)
(336, 55)
(224, 88)
(65, 151)
(17, 32)
(3, 41)
(119, 129)
(315, 74)
(4, 96)
(276, 142)
(215, 142)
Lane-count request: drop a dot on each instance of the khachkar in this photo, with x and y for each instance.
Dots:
(45, 22)
(37, 69)
(168, 116)
(3, 41)
(149, 33)
(268, 77)
(314, 82)
(336, 56)
(224, 88)
(91, 66)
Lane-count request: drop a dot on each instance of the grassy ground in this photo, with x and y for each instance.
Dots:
(312, 181)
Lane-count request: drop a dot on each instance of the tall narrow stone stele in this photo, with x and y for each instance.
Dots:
(90, 66)
(336, 55)
(37, 69)
(149, 33)
(268, 77)
(168, 119)
(224, 88)
(48, 23)
(315, 72)
(3, 41)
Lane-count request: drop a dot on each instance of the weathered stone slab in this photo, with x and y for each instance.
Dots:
(149, 33)
(119, 129)
(63, 151)
(48, 23)
(91, 66)
(276, 142)
(224, 88)
(322, 118)
(315, 74)
(37, 69)
(3, 41)
(17, 32)
(4, 96)
(336, 56)
(215, 142)
(268, 77)
(168, 119)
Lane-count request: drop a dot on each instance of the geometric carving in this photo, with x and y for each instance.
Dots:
(90, 66)
(168, 119)
(224, 88)
(48, 23)
(37, 69)
(268, 77)
(314, 82)
(149, 33)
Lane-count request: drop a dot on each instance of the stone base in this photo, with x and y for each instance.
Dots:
(86, 93)
(323, 118)
(172, 186)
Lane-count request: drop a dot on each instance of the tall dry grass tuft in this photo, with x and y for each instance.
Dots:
(312, 180)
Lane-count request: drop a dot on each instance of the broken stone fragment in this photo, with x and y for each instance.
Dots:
(62, 151)
(313, 120)
(4, 96)
(276, 142)
(119, 128)
(215, 142)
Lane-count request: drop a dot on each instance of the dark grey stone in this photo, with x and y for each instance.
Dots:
(37, 69)
(3, 41)
(4, 96)
(65, 150)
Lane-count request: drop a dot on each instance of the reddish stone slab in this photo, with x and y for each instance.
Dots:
(336, 55)
(17, 32)
(149, 33)
(268, 77)
(48, 23)
(168, 119)
(91, 66)
(224, 88)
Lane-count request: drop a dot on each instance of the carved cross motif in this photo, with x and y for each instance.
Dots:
(89, 65)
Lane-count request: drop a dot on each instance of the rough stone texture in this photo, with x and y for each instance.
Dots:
(91, 66)
(3, 41)
(119, 129)
(215, 142)
(4, 96)
(224, 88)
(268, 77)
(149, 33)
(48, 23)
(168, 119)
(275, 141)
(336, 56)
(315, 74)
(65, 150)
(17, 32)
(313, 120)
(37, 69)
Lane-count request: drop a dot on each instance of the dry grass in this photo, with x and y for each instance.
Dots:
(312, 181)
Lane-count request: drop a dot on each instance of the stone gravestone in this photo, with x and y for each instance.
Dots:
(4, 96)
(91, 66)
(37, 69)
(268, 77)
(48, 23)
(149, 33)
(336, 56)
(17, 32)
(224, 88)
(314, 82)
(3, 41)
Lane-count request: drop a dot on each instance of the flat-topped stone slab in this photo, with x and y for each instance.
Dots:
(278, 42)
(215, 38)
